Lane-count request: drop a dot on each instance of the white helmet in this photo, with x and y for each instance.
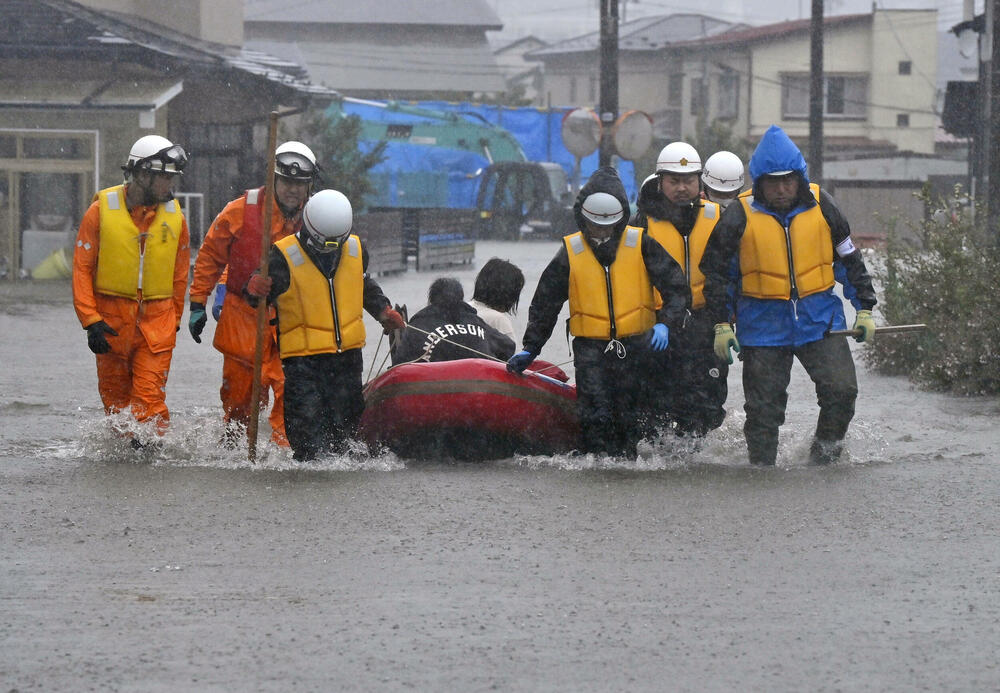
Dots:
(678, 157)
(602, 208)
(155, 153)
(295, 161)
(723, 172)
(327, 218)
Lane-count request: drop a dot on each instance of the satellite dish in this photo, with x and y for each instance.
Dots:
(581, 132)
(632, 134)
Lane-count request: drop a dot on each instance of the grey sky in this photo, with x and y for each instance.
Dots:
(558, 19)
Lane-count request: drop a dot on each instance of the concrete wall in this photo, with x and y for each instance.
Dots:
(873, 207)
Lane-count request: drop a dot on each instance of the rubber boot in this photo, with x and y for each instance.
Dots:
(762, 450)
(823, 452)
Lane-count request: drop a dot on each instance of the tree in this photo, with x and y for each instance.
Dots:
(718, 136)
(707, 140)
(344, 163)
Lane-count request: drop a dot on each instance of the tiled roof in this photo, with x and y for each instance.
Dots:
(769, 32)
(47, 25)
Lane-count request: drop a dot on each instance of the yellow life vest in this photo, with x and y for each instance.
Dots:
(315, 315)
(765, 259)
(688, 255)
(123, 265)
(627, 281)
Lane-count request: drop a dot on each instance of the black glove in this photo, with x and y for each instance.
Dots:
(197, 320)
(96, 340)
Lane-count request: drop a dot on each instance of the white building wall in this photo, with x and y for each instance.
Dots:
(904, 36)
(875, 50)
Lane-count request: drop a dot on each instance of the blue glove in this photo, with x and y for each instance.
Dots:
(519, 361)
(197, 320)
(220, 295)
(661, 337)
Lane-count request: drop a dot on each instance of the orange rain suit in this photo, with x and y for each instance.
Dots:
(233, 245)
(133, 375)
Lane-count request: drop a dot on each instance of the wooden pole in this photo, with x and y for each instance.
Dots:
(265, 246)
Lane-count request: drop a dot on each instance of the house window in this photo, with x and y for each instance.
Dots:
(905, 67)
(697, 96)
(729, 95)
(675, 90)
(572, 89)
(903, 120)
(844, 96)
(593, 88)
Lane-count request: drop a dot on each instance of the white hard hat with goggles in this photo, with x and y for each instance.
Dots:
(295, 161)
(156, 154)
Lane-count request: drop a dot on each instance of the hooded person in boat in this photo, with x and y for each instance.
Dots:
(449, 329)
(607, 271)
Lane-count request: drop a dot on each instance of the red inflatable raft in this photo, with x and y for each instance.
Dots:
(471, 409)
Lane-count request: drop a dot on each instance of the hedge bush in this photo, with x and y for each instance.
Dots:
(945, 273)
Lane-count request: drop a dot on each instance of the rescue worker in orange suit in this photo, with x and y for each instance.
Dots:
(607, 271)
(234, 241)
(686, 391)
(318, 280)
(130, 269)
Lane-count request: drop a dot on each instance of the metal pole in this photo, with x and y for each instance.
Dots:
(888, 329)
(609, 77)
(816, 94)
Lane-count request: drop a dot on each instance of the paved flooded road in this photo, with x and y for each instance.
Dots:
(686, 570)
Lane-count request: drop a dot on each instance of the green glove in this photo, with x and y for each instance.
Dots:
(724, 339)
(866, 323)
(197, 320)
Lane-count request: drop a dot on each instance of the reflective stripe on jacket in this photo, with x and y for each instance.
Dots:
(244, 253)
(317, 315)
(770, 268)
(613, 302)
(125, 264)
(687, 250)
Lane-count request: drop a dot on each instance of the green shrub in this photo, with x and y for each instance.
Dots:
(946, 274)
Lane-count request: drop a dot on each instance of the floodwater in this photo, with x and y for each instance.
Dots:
(190, 569)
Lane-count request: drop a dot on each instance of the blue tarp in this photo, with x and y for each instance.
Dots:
(418, 175)
(540, 133)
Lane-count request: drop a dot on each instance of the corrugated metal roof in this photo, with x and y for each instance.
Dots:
(472, 13)
(645, 34)
(45, 25)
(362, 66)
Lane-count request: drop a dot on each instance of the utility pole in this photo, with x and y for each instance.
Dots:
(991, 112)
(816, 93)
(609, 77)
